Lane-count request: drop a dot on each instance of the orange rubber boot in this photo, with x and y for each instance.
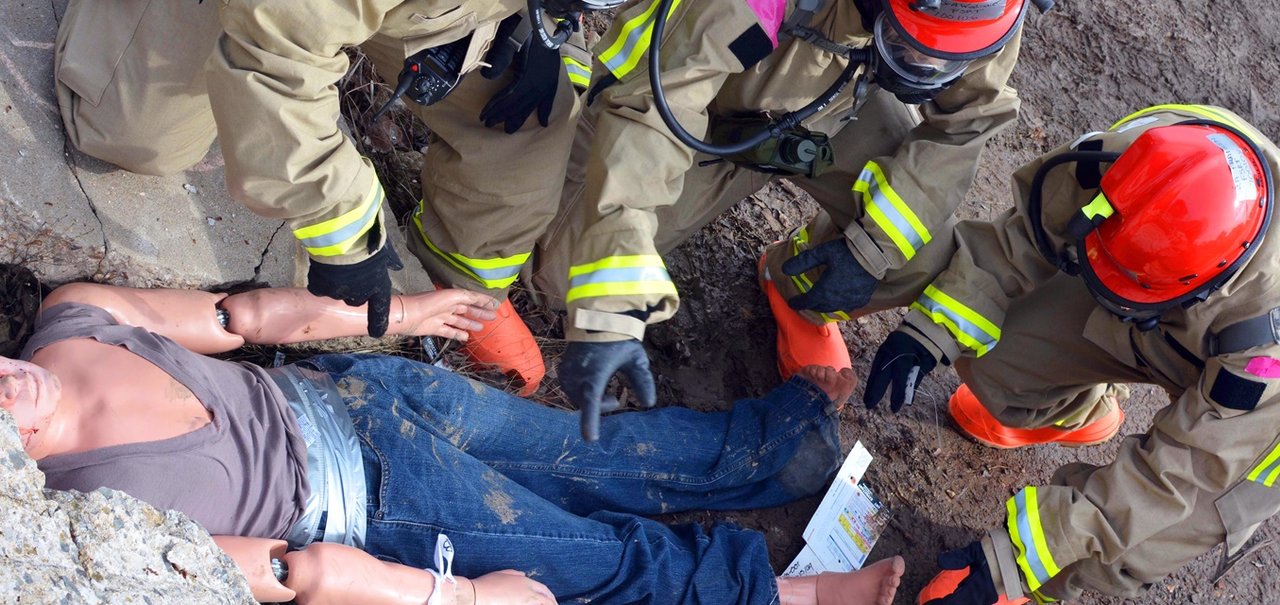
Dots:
(800, 342)
(507, 344)
(975, 421)
(948, 580)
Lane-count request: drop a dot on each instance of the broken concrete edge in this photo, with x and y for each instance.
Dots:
(102, 546)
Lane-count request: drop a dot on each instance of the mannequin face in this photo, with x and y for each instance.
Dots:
(31, 393)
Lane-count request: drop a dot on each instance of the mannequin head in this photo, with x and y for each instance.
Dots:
(31, 393)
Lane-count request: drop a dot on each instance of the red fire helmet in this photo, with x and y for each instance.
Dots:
(956, 29)
(1184, 206)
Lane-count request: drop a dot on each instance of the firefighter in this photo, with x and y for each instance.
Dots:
(888, 181)
(1145, 253)
(134, 90)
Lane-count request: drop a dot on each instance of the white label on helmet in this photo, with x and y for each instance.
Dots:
(1241, 171)
(952, 10)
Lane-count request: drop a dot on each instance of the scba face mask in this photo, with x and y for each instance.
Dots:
(922, 46)
(908, 72)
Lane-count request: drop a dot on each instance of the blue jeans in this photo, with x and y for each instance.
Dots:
(514, 486)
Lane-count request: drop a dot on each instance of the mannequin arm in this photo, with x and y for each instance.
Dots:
(333, 574)
(274, 315)
(290, 315)
(189, 317)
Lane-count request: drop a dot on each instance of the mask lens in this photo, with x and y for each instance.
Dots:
(910, 63)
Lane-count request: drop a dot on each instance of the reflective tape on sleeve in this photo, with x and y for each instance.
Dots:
(1028, 537)
(633, 41)
(967, 326)
(579, 72)
(620, 276)
(338, 235)
(495, 273)
(1268, 470)
(889, 212)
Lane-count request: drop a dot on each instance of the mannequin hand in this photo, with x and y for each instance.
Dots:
(902, 360)
(585, 370)
(843, 286)
(511, 587)
(451, 313)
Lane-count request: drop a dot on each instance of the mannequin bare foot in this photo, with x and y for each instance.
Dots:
(875, 584)
(838, 385)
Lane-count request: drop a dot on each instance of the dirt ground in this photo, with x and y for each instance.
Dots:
(1084, 65)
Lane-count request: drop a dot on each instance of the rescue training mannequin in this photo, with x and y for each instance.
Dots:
(1145, 253)
(134, 90)
(381, 458)
(888, 184)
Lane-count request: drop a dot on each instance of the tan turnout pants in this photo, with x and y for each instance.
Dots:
(882, 125)
(131, 88)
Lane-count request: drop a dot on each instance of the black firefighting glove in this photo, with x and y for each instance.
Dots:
(533, 87)
(903, 360)
(843, 286)
(977, 588)
(367, 281)
(585, 370)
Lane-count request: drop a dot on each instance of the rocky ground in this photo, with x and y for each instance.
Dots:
(1083, 66)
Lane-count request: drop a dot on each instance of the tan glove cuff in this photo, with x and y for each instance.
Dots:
(1002, 562)
(866, 251)
(586, 325)
(936, 338)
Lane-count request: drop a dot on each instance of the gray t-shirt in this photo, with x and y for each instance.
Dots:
(244, 474)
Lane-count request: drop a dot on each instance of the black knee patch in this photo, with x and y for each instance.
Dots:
(1236, 392)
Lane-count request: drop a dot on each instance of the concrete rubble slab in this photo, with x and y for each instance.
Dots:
(69, 216)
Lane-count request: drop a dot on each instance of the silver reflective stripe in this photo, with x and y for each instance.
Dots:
(890, 211)
(493, 274)
(335, 466)
(577, 70)
(1029, 538)
(625, 274)
(348, 232)
(638, 32)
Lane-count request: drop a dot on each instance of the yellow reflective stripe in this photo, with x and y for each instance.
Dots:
(620, 289)
(338, 235)
(889, 212)
(966, 325)
(1100, 206)
(579, 72)
(494, 273)
(620, 276)
(633, 41)
(1042, 598)
(1027, 534)
(1200, 110)
(1260, 473)
(618, 262)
